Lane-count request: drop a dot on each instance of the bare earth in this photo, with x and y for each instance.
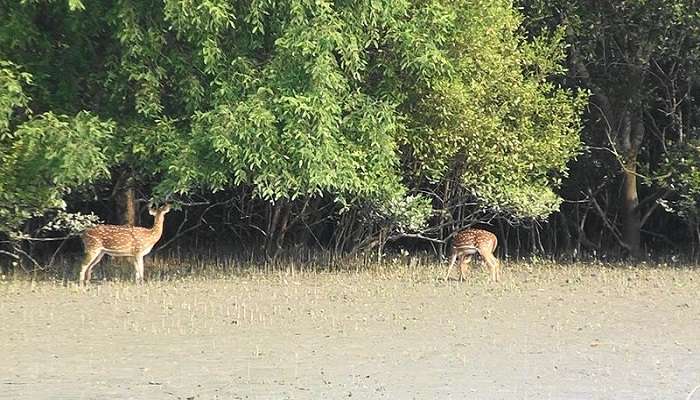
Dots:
(392, 332)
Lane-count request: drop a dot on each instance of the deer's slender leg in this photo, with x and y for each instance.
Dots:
(498, 269)
(92, 265)
(138, 264)
(452, 263)
(137, 275)
(466, 260)
(90, 257)
(494, 265)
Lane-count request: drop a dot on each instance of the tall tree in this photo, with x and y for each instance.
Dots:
(636, 57)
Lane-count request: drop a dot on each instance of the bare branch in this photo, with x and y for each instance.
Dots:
(414, 236)
(51, 239)
(7, 253)
(607, 223)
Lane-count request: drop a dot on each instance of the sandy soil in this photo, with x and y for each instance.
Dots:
(395, 332)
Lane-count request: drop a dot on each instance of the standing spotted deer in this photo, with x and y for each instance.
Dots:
(121, 241)
(471, 241)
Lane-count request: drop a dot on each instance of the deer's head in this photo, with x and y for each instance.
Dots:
(161, 210)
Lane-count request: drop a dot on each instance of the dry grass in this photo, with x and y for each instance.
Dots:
(392, 330)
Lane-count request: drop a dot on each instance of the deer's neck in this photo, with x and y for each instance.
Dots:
(157, 228)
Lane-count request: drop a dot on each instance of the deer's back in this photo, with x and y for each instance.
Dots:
(473, 238)
(118, 237)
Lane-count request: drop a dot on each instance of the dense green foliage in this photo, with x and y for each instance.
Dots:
(491, 107)
(356, 100)
(45, 156)
(347, 122)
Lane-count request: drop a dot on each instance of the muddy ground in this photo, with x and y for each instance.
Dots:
(391, 332)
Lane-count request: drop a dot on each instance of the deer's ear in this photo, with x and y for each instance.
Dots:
(151, 210)
(165, 208)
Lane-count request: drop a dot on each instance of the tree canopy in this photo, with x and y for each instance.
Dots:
(347, 120)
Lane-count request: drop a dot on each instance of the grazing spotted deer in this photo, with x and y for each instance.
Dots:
(471, 241)
(121, 241)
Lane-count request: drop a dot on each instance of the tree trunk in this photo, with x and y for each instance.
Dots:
(565, 234)
(631, 229)
(631, 139)
(282, 229)
(273, 219)
(126, 202)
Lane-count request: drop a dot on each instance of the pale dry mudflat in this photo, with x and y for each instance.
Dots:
(391, 332)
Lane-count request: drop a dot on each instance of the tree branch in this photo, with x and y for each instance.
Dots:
(606, 222)
(414, 236)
